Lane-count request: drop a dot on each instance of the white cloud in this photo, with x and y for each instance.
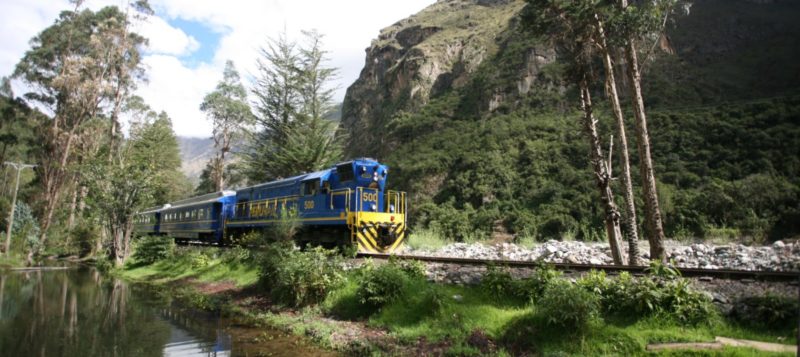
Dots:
(20, 20)
(165, 39)
(244, 26)
(179, 90)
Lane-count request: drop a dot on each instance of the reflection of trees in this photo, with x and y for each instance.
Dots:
(75, 313)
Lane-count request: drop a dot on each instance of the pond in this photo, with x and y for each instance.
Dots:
(77, 311)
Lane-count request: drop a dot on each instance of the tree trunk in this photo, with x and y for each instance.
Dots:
(82, 200)
(73, 206)
(54, 186)
(631, 229)
(601, 174)
(651, 209)
(98, 244)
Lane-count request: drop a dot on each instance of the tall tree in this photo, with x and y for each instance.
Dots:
(230, 114)
(76, 68)
(293, 96)
(636, 22)
(571, 27)
(278, 100)
(631, 224)
(139, 174)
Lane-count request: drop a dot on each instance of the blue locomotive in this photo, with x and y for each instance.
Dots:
(347, 203)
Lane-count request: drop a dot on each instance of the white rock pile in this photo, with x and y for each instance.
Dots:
(779, 256)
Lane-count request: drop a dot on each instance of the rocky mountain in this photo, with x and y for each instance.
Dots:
(195, 153)
(474, 116)
(425, 55)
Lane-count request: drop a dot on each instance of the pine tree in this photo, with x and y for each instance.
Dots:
(293, 98)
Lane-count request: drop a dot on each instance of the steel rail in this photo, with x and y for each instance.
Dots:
(786, 276)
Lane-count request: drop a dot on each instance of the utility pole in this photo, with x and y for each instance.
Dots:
(19, 167)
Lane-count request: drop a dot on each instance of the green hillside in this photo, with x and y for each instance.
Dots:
(724, 118)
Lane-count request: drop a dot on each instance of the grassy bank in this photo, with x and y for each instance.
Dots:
(391, 308)
(12, 261)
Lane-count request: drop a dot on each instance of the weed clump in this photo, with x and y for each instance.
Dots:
(767, 312)
(381, 285)
(499, 283)
(298, 278)
(662, 293)
(564, 304)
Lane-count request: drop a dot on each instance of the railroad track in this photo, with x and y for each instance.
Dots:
(784, 276)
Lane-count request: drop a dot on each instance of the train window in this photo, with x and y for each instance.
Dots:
(310, 188)
(345, 172)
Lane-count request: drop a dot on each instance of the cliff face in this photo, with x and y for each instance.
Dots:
(476, 47)
(478, 126)
(423, 56)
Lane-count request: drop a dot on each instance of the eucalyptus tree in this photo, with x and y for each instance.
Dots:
(631, 229)
(571, 27)
(78, 68)
(230, 115)
(634, 22)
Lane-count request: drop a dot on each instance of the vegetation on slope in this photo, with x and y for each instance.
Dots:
(726, 162)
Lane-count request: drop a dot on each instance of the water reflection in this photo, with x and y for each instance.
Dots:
(79, 312)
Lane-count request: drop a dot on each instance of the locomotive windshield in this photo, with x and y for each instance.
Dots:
(345, 172)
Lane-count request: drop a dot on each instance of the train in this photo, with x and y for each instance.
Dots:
(347, 203)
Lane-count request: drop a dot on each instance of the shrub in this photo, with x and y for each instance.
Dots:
(663, 294)
(26, 227)
(378, 286)
(662, 271)
(499, 283)
(199, 259)
(768, 311)
(413, 268)
(236, 255)
(542, 276)
(381, 285)
(286, 227)
(567, 305)
(297, 277)
(150, 249)
(250, 238)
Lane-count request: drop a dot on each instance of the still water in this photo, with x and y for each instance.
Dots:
(79, 312)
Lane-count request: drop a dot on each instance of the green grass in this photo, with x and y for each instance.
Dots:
(516, 327)
(215, 269)
(12, 261)
(426, 239)
(447, 315)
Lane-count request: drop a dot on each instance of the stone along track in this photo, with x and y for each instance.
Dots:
(726, 274)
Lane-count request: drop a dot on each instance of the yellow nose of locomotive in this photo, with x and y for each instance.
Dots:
(378, 232)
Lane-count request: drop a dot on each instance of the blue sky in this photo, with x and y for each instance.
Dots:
(190, 40)
(208, 39)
